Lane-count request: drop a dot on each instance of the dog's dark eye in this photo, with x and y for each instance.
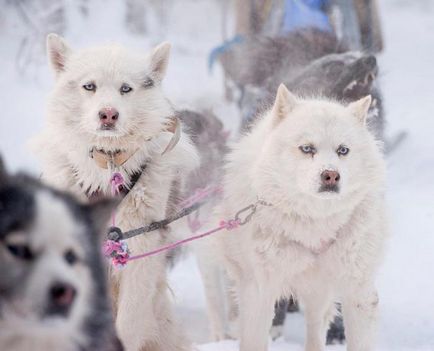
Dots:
(342, 150)
(22, 252)
(308, 149)
(89, 87)
(125, 88)
(70, 257)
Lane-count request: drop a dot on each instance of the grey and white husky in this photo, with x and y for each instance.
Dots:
(53, 293)
(345, 77)
(308, 61)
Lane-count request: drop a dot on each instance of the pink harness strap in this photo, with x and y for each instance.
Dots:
(232, 224)
(120, 255)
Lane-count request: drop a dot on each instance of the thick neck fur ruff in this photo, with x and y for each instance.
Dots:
(87, 175)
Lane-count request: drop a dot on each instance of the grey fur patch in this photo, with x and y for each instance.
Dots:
(148, 83)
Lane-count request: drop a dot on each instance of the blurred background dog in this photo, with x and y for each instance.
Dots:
(53, 293)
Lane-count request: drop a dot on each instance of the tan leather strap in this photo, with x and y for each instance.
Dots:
(117, 158)
(174, 127)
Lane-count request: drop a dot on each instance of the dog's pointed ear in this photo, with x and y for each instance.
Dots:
(360, 108)
(284, 104)
(58, 52)
(159, 61)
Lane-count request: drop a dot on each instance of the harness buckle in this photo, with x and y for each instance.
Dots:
(251, 209)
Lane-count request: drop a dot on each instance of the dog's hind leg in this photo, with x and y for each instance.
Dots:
(233, 310)
(336, 332)
(212, 277)
(360, 311)
(280, 309)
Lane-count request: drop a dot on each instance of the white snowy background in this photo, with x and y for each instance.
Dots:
(406, 282)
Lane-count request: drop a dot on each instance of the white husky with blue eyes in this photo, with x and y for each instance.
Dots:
(108, 104)
(320, 230)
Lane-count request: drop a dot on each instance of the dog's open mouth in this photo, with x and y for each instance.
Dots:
(108, 152)
(329, 189)
(107, 126)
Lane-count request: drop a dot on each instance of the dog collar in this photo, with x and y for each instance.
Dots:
(111, 159)
(105, 159)
(173, 126)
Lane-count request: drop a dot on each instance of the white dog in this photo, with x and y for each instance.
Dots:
(108, 113)
(314, 175)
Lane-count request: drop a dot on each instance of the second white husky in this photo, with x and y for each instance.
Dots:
(315, 176)
(108, 113)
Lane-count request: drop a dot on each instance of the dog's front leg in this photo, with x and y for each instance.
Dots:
(136, 322)
(360, 310)
(319, 311)
(256, 314)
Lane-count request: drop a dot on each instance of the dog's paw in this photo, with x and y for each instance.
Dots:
(276, 331)
(217, 336)
(336, 332)
(232, 330)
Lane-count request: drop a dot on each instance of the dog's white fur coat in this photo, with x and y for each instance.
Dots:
(322, 247)
(144, 318)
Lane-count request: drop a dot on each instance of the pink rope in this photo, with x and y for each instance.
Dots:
(199, 195)
(194, 223)
(229, 225)
(120, 255)
(119, 252)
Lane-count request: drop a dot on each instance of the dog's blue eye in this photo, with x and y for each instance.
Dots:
(70, 257)
(22, 252)
(90, 87)
(342, 150)
(125, 89)
(307, 149)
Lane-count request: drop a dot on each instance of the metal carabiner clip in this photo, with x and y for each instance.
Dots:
(251, 208)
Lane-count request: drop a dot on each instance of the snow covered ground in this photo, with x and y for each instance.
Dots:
(406, 282)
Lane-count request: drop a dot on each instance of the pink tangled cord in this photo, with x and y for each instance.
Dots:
(117, 251)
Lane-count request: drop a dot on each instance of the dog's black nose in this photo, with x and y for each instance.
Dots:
(370, 61)
(330, 178)
(61, 297)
